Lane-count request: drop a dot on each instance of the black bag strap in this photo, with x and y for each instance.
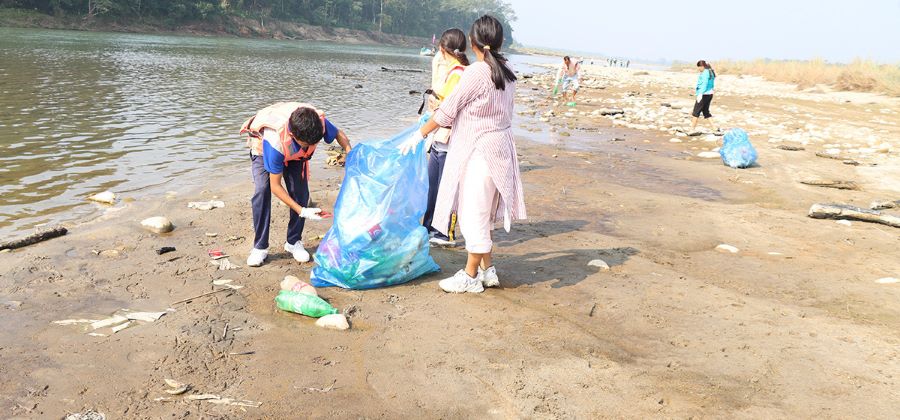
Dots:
(425, 99)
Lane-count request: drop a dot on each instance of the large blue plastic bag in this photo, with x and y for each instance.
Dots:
(736, 151)
(377, 238)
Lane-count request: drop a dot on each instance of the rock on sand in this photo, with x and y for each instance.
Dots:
(726, 248)
(158, 224)
(106, 197)
(333, 322)
(708, 155)
(602, 265)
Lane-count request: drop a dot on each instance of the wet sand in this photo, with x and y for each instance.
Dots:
(792, 325)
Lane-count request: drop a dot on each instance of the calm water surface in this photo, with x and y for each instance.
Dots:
(84, 112)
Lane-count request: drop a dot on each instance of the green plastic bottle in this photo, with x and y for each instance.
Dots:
(304, 304)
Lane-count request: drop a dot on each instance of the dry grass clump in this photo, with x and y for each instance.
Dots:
(859, 75)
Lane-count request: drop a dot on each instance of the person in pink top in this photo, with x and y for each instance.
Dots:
(481, 181)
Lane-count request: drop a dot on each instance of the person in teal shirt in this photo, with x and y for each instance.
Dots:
(704, 94)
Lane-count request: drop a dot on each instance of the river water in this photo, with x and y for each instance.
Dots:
(84, 112)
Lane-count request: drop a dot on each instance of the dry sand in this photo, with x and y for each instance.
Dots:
(792, 325)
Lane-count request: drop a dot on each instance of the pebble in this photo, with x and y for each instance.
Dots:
(844, 222)
(206, 205)
(726, 248)
(333, 322)
(109, 253)
(106, 197)
(708, 155)
(887, 280)
(602, 265)
(158, 224)
(674, 140)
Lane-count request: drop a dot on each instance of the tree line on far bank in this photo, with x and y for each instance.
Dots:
(405, 17)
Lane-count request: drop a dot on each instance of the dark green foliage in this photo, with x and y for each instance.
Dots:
(406, 17)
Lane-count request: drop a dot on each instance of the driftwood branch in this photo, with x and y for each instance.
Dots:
(403, 70)
(841, 185)
(39, 236)
(881, 205)
(844, 211)
(845, 160)
(790, 148)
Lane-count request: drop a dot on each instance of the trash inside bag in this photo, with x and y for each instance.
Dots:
(736, 151)
(377, 238)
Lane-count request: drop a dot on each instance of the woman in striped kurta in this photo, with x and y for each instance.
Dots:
(481, 181)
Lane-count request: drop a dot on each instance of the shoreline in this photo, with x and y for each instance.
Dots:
(226, 26)
(673, 328)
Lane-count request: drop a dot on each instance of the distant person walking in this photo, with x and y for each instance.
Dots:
(706, 83)
(481, 180)
(452, 49)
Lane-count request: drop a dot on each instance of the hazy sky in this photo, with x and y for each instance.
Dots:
(836, 30)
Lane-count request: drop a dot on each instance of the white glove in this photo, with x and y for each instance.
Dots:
(310, 213)
(411, 142)
(428, 142)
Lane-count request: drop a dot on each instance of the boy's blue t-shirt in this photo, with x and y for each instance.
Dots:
(273, 156)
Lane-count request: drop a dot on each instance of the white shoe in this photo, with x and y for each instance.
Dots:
(441, 242)
(257, 256)
(297, 251)
(488, 277)
(461, 283)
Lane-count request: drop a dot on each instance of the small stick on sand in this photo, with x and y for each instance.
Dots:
(203, 295)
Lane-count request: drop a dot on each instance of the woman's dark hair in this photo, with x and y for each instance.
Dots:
(567, 60)
(453, 42)
(487, 35)
(306, 126)
(704, 64)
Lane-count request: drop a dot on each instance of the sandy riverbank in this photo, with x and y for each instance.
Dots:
(793, 325)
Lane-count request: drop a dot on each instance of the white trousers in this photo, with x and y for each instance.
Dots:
(478, 202)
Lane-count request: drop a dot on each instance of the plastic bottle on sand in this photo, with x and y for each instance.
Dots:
(304, 304)
(297, 285)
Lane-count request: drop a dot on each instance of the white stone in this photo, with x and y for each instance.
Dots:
(887, 280)
(158, 224)
(333, 322)
(674, 140)
(602, 265)
(708, 155)
(106, 197)
(726, 248)
(206, 205)
(844, 222)
(884, 148)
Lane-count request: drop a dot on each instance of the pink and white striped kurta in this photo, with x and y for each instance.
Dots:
(481, 117)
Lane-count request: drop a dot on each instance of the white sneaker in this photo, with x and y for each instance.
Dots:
(441, 242)
(488, 277)
(297, 251)
(461, 283)
(257, 256)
